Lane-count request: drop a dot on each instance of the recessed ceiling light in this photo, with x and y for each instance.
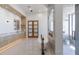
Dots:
(30, 9)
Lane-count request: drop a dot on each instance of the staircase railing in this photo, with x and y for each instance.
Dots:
(42, 45)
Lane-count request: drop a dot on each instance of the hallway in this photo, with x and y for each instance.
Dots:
(27, 24)
(26, 47)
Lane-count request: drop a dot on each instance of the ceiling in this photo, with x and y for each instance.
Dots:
(36, 8)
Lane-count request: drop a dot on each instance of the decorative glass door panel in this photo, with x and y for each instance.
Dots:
(33, 29)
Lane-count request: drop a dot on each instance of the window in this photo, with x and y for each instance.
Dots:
(50, 24)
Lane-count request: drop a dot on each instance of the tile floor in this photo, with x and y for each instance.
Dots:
(26, 47)
(68, 50)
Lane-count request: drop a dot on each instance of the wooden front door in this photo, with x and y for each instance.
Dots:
(33, 29)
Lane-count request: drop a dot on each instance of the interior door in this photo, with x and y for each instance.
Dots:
(33, 29)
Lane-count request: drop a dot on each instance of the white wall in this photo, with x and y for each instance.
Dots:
(7, 27)
(58, 18)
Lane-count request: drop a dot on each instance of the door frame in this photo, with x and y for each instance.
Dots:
(33, 29)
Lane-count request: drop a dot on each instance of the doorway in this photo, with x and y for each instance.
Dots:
(69, 30)
(33, 29)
